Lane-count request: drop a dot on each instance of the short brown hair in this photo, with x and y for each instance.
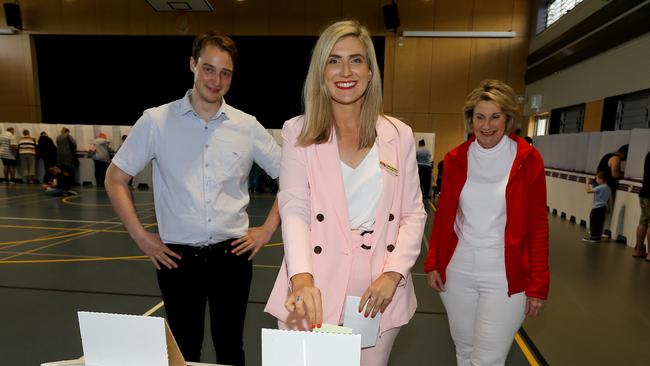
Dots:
(602, 176)
(221, 41)
(499, 93)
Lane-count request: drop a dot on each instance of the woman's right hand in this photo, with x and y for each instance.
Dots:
(434, 281)
(305, 299)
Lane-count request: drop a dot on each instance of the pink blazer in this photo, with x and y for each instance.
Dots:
(316, 229)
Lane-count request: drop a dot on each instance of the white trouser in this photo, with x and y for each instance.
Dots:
(482, 318)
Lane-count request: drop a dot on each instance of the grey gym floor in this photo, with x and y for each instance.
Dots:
(59, 256)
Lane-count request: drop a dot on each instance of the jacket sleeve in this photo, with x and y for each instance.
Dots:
(294, 202)
(537, 228)
(431, 260)
(412, 216)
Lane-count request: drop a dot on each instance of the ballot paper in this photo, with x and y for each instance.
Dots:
(297, 348)
(368, 327)
(331, 328)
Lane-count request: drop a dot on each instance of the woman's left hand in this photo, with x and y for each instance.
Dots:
(534, 306)
(380, 293)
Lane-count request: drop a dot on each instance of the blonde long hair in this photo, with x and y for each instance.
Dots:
(319, 118)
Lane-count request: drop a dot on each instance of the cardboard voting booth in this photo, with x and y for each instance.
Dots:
(297, 348)
(125, 340)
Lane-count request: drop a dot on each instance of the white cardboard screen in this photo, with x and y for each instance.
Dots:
(295, 348)
(125, 340)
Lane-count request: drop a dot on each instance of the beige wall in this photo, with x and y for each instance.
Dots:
(426, 79)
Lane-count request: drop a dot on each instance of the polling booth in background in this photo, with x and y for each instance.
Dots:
(571, 158)
(85, 134)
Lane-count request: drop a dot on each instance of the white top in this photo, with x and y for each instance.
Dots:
(200, 170)
(7, 141)
(481, 216)
(363, 186)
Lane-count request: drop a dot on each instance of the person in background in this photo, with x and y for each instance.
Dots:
(101, 151)
(641, 251)
(611, 165)
(602, 193)
(201, 150)
(46, 150)
(490, 268)
(8, 150)
(67, 151)
(351, 206)
(27, 156)
(423, 157)
(58, 181)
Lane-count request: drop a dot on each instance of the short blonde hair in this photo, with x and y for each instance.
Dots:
(319, 118)
(499, 93)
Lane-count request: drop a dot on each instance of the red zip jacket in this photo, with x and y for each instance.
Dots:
(526, 232)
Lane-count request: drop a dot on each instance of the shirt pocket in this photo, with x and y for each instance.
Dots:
(232, 159)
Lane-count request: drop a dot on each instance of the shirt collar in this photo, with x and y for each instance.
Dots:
(186, 106)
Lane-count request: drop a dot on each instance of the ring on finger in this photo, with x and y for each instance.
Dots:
(298, 298)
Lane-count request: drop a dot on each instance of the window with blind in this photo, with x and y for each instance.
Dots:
(551, 11)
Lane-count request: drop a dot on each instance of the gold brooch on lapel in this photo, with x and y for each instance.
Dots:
(389, 168)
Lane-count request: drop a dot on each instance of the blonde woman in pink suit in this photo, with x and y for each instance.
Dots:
(350, 202)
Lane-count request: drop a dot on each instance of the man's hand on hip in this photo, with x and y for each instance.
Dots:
(253, 241)
(156, 250)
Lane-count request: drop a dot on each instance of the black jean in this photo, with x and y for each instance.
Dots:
(596, 222)
(222, 279)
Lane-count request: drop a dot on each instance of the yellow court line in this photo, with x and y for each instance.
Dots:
(19, 196)
(522, 345)
(59, 220)
(62, 242)
(69, 260)
(69, 202)
(44, 238)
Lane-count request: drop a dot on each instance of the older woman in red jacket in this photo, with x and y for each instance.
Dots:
(488, 253)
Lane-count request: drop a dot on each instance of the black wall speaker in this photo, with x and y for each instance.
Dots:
(12, 16)
(391, 16)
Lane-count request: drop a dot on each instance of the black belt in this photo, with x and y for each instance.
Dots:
(201, 249)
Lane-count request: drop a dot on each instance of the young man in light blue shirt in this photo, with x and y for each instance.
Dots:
(201, 150)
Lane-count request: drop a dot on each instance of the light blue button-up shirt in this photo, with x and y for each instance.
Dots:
(200, 170)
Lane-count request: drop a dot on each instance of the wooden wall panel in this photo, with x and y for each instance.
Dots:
(450, 132)
(419, 122)
(251, 17)
(593, 116)
(521, 17)
(220, 20)
(318, 17)
(114, 17)
(518, 50)
(493, 15)
(287, 17)
(367, 12)
(389, 74)
(449, 74)
(42, 16)
(412, 74)
(80, 17)
(416, 15)
(489, 60)
(13, 88)
(453, 15)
